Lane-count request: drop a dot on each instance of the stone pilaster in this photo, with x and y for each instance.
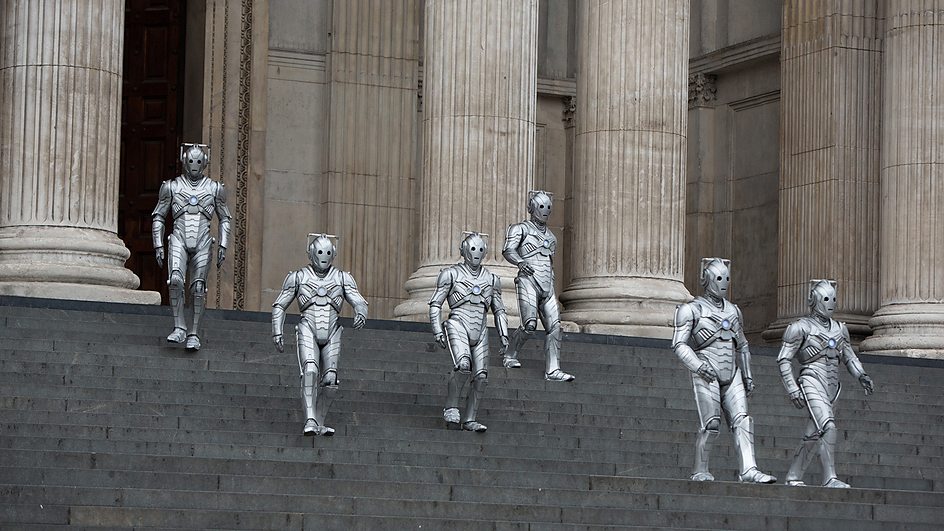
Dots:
(60, 80)
(910, 320)
(629, 189)
(831, 76)
(480, 81)
(369, 188)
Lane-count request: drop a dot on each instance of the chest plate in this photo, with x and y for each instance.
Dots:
(714, 323)
(469, 288)
(537, 242)
(822, 341)
(190, 198)
(317, 291)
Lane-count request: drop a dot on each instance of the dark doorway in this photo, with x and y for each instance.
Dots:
(151, 115)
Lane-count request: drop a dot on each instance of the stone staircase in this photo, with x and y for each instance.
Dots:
(102, 424)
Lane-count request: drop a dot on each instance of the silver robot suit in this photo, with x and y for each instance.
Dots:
(471, 290)
(530, 246)
(191, 199)
(709, 340)
(818, 343)
(321, 290)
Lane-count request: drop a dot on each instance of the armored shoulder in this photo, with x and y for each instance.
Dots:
(347, 279)
(796, 331)
(685, 313)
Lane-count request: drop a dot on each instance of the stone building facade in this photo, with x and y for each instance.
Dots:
(800, 138)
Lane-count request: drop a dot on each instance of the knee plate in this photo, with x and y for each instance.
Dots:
(176, 280)
(198, 288)
(713, 425)
(530, 326)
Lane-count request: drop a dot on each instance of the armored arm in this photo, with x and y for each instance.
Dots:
(222, 211)
(354, 298)
(164, 199)
(286, 296)
(853, 365)
(513, 238)
(743, 352)
(684, 322)
(443, 283)
(792, 339)
(498, 309)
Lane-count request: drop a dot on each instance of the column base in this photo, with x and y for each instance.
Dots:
(907, 330)
(68, 263)
(857, 324)
(639, 306)
(422, 284)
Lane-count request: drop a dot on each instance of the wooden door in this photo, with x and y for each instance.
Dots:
(151, 115)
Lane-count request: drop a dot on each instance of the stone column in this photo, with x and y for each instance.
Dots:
(60, 73)
(629, 189)
(480, 83)
(910, 320)
(831, 96)
(369, 186)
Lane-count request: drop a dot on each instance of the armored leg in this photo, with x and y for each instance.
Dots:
(527, 306)
(708, 402)
(820, 405)
(479, 381)
(199, 264)
(804, 455)
(457, 340)
(329, 380)
(176, 261)
(308, 364)
(550, 318)
(734, 403)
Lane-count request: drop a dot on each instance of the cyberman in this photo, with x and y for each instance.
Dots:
(321, 289)
(191, 199)
(530, 246)
(818, 343)
(709, 340)
(471, 290)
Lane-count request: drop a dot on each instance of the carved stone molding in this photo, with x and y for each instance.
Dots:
(702, 91)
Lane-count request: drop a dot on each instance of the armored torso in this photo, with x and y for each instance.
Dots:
(713, 335)
(820, 351)
(320, 299)
(538, 246)
(469, 297)
(192, 209)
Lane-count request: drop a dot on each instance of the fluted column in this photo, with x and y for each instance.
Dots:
(910, 320)
(369, 187)
(831, 96)
(479, 85)
(60, 72)
(629, 185)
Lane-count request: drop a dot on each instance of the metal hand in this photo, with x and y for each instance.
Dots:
(359, 321)
(159, 255)
(441, 339)
(749, 386)
(866, 384)
(797, 398)
(707, 372)
(525, 268)
(278, 343)
(220, 256)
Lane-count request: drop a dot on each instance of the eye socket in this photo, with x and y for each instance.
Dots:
(473, 248)
(320, 252)
(825, 299)
(191, 161)
(727, 278)
(329, 253)
(719, 278)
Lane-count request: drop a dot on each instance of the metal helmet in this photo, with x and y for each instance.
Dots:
(539, 205)
(473, 248)
(715, 276)
(321, 251)
(194, 158)
(822, 297)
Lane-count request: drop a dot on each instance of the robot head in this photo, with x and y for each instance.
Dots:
(539, 205)
(321, 251)
(473, 248)
(194, 159)
(715, 276)
(822, 297)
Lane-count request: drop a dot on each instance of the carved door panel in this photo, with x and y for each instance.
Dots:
(151, 114)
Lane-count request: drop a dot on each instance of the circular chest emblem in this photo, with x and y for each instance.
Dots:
(321, 291)
(831, 343)
(726, 324)
(547, 243)
(476, 290)
(193, 200)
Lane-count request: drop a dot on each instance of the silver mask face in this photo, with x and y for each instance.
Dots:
(539, 205)
(194, 160)
(822, 298)
(321, 253)
(473, 249)
(716, 276)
